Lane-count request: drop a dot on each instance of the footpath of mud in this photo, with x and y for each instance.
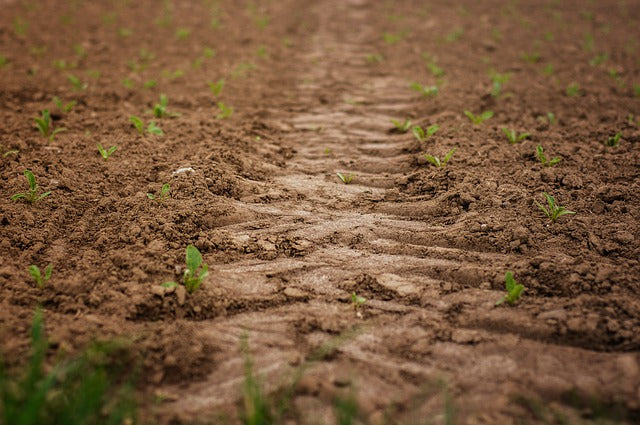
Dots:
(313, 90)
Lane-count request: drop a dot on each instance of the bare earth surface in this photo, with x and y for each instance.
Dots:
(288, 243)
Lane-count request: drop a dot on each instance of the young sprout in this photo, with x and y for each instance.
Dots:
(357, 302)
(532, 57)
(160, 109)
(402, 126)
(149, 84)
(195, 273)
(433, 68)
(374, 58)
(31, 196)
(573, 89)
(514, 137)
(613, 141)
(164, 194)
(440, 163)
(346, 178)
(454, 35)
(426, 91)
(105, 154)
(76, 82)
(137, 123)
(45, 127)
(66, 108)
(183, 33)
(554, 211)
(421, 135)
(225, 111)
(543, 158)
(216, 88)
(514, 290)
(478, 119)
(391, 38)
(497, 81)
(38, 277)
(152, 128)
(636, 90)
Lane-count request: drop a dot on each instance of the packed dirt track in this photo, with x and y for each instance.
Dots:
(377, 292)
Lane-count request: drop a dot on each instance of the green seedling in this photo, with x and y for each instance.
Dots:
(454, 35)
(514, 137)
(589, 43)
(554, 211)
(548, 70)
(31, 196)
(82, 390)
(402, 126)
(224, 111)
(346, 178)
(38, 50)
(514, 290)
(125, 32)
(152, 128)
(183, 33)
(573, 90)
(426, 91)
(636, 89)
(599, 59)
(216, 88)
(67, 107)
(20, 26)
(38, 277)
(6, 153)
(533, 57)
(543, 158)
(45, 126)
(160, 109)
(128, 83)
(497, 81)
(3, 61)
(440, 163)
(106, 153)
(80, 51)
(165, 193)
(357, 302)
(242, 69)
(149, 84)
(195, 273)
(613, 141)
(421, 135)
(374, 58)
(478, 119)
(76, 82)
(392, 38)
(137, 123)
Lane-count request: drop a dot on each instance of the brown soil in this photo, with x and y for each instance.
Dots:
(287, 242)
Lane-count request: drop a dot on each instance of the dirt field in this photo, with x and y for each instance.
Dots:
(314, 87)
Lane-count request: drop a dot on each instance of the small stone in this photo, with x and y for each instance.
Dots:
(520, 233)
(294, 293)
(158, 290)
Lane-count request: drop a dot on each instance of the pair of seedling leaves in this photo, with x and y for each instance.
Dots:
(195, 273)
(514, 290)
(32, 195)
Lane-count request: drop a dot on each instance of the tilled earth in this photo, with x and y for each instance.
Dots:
(314, 87)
